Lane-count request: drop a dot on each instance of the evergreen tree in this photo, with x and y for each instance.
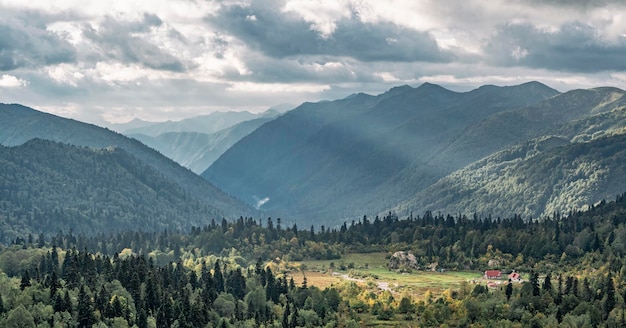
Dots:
(59, 304)
(1, 305)
(534, 281)
(85, 316)
(218, 277)
(25, 282)
(587, 293)
(236, 284)
(304, 281)
(609, 299)
(142, 319)
(152, 292)
(286, 313)
(569, 285)
(547, 284)
(101, 300)
(509, 290)
(67, 302)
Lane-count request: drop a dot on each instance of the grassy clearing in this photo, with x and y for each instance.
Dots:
(373, 267)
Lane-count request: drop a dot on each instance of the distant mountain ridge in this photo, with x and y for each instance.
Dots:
(207, 124)
(197, 151)
(19, 124)
(500, 151)
(344, 158)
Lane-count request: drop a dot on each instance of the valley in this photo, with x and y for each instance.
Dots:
(297, 219)
(304, 164)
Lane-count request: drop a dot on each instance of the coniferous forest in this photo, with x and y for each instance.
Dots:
(301, 163)
(238, 274)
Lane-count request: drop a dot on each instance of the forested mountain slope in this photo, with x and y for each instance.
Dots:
(342, 158)
(47, 187)
(19, 124)
(577, 158)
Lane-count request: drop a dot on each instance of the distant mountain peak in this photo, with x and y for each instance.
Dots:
(399, 89)
(431, 88)
(430, 85)
(609, 89)
(425, 87)
(536, 85)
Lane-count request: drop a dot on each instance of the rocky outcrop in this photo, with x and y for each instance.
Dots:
(403, 261)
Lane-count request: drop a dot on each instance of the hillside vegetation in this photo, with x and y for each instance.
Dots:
(346, 158)
(47, 187)
(572, 266)
(576, 163)
(19, 124)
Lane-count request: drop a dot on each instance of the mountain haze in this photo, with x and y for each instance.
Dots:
(576, 159)
(343, 158)
(197, 151)
(201, 124)
(18, 124)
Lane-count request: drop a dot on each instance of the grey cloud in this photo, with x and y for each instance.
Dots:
(290, 70)
(28, 44)
(114, 40)
(574, 48)
(280, 35)
(581, 4)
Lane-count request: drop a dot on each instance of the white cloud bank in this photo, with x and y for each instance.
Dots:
(10, 81)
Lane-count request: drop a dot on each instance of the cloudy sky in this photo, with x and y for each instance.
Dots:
(167, 59)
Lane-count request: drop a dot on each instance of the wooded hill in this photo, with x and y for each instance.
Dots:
(47, 187)
(19, 124)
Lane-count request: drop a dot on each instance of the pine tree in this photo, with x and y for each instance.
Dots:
(25, 282)
(142, 319)
(85, 316)
(587, 294)
(609, 301)
(304, 282)
(534, 281)
(509, 290)
(67, 301)
(54, 284)
(236, 284)
(59, 304)
(218, 277)
(547, 284)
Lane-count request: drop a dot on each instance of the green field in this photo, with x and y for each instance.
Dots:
(372, 267)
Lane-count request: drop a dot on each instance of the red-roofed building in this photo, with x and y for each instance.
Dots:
(515, 277)
(493, 274)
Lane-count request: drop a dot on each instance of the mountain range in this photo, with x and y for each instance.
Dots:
(407, 149)
(526, 149)
(571, 155)
(197, 142)
(19, 124)
(197, 151)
